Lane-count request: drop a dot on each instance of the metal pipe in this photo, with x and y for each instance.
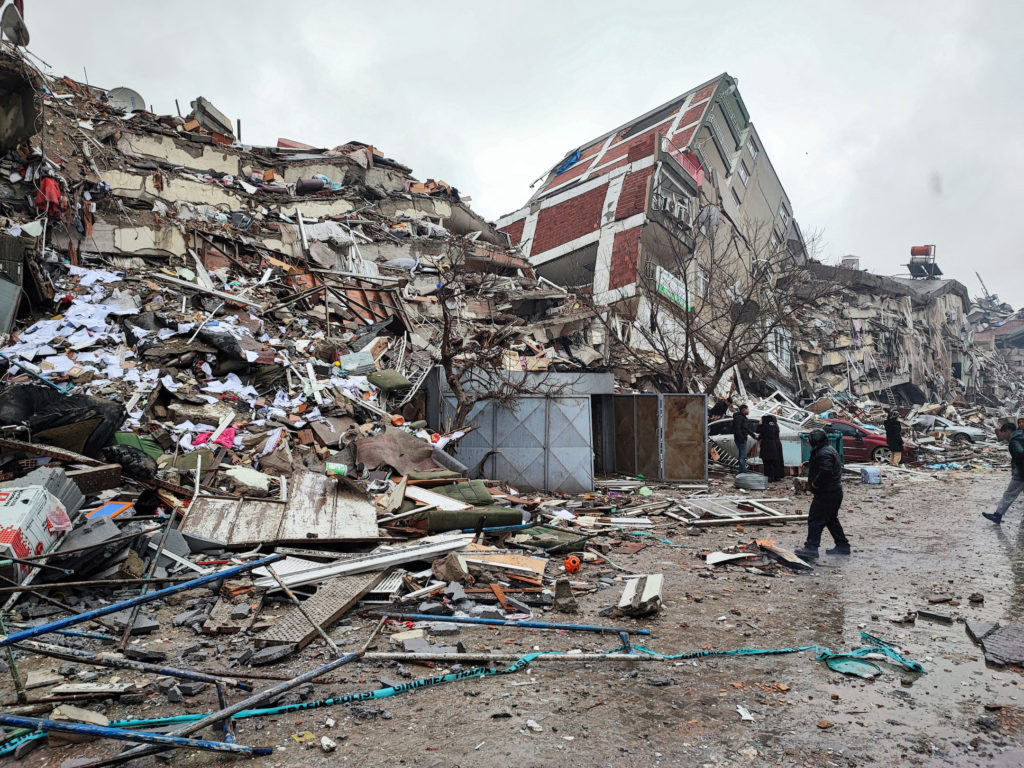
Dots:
(74, 654)
(23, 561)
(62, 552)
(449, 658)
(45, 629)
(90, 584)
(54, 602)
(305, 614)
(151, 569)
(257, 698)
(123, 734)
(515, 623)
(19, 686)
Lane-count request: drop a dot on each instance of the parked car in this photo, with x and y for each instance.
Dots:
(720, 435)
(861, 444)
(956, 432)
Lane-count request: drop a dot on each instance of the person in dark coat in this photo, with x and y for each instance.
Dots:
(894, 437)
(742, 428)
(1015, 438)
(769, 438)
(825, 479)
(719, 409)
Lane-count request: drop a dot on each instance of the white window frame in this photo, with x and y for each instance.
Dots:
(752, 147)
(783, 215)
(773, 241)
(742, 172)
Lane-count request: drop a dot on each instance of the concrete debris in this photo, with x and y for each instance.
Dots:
(214, 353)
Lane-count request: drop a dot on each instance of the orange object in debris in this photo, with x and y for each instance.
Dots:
(397, 421)
(435, 437)
(572, 564)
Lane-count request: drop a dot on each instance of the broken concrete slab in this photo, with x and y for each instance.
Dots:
(1002, 644)
(565, 601)
(642, 595)
(147, 655)
(271, 654)
(70, 714)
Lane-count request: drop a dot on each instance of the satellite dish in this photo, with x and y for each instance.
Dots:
(13, 26)
(126, 99)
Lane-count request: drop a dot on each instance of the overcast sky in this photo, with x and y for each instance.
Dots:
(890, 124)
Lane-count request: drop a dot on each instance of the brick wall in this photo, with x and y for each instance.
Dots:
(705, 92)
(515, 231)
(625, 257)
(566, 221)
(633, 198)
(692, 115)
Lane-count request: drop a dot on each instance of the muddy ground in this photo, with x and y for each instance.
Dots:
(913, 540)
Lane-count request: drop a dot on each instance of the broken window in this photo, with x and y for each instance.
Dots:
(744, 174)
(783, 216)
(773, 242)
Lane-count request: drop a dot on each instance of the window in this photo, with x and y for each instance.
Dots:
(783, 216)
(734, 195)
(773, 242)
(752, 148)
(741, 169)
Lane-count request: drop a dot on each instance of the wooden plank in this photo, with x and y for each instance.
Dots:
(317, 509)
(327, 606)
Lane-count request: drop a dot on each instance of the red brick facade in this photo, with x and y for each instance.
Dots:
(625, 257)
(633, 197)
(515, 231)
(566, 221)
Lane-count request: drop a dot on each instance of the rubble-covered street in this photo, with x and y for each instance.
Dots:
(958, 712)
(307, 460)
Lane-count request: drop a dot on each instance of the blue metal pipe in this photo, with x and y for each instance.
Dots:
(53, 626)
(515, 623)
(106, 732)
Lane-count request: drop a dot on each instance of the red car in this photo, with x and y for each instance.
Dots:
(860, 444)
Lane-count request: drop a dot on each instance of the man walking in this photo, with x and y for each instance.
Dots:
(824, 478)
(1015, 437)
(742, 428)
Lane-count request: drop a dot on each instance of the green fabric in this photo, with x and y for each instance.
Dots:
(436, 474)
(473, 492)
(389, 380)
(147, 445)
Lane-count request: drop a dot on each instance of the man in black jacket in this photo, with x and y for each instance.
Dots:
(824, 478)
(742, 428)
(1015, 437)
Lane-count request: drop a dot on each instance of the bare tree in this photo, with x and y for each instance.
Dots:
(473, 351)
(717, 296)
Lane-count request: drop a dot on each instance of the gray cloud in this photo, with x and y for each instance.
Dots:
(866, 110)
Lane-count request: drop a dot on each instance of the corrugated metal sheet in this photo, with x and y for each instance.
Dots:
(546, 443)
(317, 509)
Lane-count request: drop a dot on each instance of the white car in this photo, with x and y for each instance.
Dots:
(720, 435)
(957, 432)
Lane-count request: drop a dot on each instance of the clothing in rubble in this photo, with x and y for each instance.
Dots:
(771, 448)
(719, 409)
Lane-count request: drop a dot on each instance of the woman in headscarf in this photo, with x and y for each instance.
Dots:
(771, 448)
(894, 437)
